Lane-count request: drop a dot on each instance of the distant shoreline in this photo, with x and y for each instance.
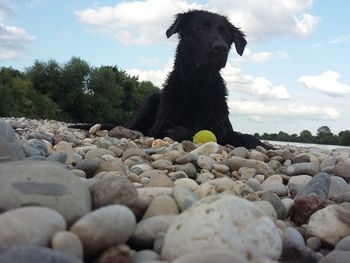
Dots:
(311, 145)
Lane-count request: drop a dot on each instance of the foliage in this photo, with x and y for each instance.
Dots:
(324, 135)
(74, 92)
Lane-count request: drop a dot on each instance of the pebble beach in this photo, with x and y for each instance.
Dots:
(71, 196)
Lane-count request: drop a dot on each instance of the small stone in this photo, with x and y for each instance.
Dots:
(276, 203)
(29, 226)
(329, 161)
(336, 218)
(338, 186)
(162, 164)
(158, 143)
(112, 165)
(67, 148)
(294, 249)
(314, 243)
(184, 197)
(188, 168)
(98, 153)
(256, 155)
(274, 183)
(205, 189)
(140, 168)
(204, 177)
(117, 151)
(31, 254)
(205, 162)
(35, 147)
(160, 181)
(116, 254)
(303, 168)
(221, 168)
(254, 184)
(237, 162)
(187, 183)
(288, 204)
(10, 146)
(168, 155)
(268, 209)
(343, 244)
(212, 255)
(296, 183)
(336, 256)
(204, 149)
(89, 166)
(147, 230)
(240, 152)
(188, 146)
(78, 173)
(161, 205)
(60, 157)
(147, 194)
(95, 128)
(104, 227)
(311, 198)
(144, 256)
(342, 169)
(67, 243)
(117, 190)
(247, 173)
(177, 175)
(121, 132)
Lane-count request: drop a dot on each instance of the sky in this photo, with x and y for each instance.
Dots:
(294, 74)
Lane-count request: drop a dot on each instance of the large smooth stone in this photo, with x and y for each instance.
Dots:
(43, 183)
(29, 226)
(223, 222)
(34, 254)
(10, 146)
(104, 227)
(331, 223)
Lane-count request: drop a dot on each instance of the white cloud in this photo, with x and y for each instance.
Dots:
(12, 41)
(289, 111)
(327, 82)
(259, 87)
(157, 77)
(145, 22)
(268, 18)
(341, 39)
(264, 56)
(136, 22)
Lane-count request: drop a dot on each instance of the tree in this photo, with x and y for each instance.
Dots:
(282, 136)
(323, 130)
(306, 136)
(344, 138)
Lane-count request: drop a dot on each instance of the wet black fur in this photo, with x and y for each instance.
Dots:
(194, 94)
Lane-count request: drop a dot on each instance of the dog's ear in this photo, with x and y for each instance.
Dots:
(176, 26)
(238, 39)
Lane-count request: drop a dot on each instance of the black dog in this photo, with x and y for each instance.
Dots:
(194, 94)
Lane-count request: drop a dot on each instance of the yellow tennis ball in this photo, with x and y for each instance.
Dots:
(204, 136)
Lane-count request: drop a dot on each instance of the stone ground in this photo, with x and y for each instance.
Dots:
(68, 195)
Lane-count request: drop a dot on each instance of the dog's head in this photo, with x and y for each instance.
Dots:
(206, 38)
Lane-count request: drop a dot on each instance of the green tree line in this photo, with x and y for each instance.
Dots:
(72, 92)
(324, 135)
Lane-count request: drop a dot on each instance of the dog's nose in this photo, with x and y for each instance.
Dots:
(220, 47)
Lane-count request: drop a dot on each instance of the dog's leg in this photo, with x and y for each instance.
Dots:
(246, 140)
(145, 116)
